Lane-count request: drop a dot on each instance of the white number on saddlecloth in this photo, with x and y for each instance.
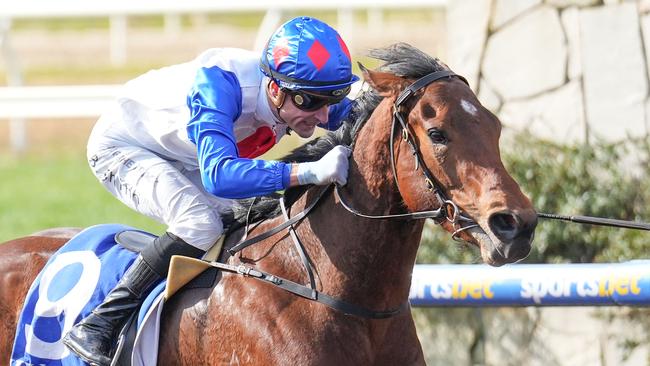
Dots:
(69, 305)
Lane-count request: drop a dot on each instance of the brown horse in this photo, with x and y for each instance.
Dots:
(437, 154)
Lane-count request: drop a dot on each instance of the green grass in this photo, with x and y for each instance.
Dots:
(107, 74)
(55, 190)
(91, 74)
(52, 186)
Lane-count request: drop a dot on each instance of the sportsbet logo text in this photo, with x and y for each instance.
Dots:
(537, 290)
(456, 290)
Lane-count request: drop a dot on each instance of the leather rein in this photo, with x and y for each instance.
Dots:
(447, 210)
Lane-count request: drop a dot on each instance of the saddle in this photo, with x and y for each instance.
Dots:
(182, 269)
(75, 280)
(183, 272)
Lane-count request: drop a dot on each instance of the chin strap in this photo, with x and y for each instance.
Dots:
(281, 98)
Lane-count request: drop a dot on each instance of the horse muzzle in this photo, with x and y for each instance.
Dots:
(508, 237)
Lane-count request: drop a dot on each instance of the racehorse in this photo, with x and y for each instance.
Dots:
(423, 147)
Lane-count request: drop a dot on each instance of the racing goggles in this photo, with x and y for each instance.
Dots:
(309, 102)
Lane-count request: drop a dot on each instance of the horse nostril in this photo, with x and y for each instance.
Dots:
(505, 225)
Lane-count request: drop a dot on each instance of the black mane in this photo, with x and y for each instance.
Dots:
(400, 59)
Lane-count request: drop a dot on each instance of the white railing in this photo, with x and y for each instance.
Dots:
(18, 102)
(63, 101)
(118, 10)
(55, 101)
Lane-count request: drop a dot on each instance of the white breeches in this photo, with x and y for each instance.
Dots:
(161, 189)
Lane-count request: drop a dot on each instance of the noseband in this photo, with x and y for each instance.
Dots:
(448, 209)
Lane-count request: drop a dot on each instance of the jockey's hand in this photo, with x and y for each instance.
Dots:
(331, 168)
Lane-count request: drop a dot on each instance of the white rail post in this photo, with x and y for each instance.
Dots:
(173, 25)
(118, 28)
(375, 20)
(271, 20)
(346, 26)
(17, 127)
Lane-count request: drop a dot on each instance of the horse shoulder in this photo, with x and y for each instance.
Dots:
(220, 325)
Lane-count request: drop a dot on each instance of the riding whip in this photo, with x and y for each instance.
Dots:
(597, 221)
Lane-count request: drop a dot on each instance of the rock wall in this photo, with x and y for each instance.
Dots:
(568, 70)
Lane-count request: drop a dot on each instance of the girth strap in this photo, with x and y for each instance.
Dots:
(308, 293)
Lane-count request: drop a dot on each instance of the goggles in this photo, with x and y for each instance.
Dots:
(309, 102)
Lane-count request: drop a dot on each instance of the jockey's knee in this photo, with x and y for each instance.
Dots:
(198, 231)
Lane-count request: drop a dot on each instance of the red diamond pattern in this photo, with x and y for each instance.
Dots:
(280, 52)
(344, 47)
(318, 55)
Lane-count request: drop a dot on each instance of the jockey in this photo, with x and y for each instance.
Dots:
(181, 142)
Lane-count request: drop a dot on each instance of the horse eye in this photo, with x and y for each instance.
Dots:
(437, 136)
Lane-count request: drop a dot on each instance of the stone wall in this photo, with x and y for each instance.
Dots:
(568, 70)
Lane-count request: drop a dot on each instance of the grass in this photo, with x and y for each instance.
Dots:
(52, 186)
(108, 74)
(41, 191)
(91, 74)
(246, 19)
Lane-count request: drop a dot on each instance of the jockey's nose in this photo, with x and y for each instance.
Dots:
(322, 114)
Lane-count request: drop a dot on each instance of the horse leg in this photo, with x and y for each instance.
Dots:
(20, 262)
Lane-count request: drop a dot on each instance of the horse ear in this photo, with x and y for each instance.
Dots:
(385, 83)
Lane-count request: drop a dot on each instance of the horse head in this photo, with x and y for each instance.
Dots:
(445, 154)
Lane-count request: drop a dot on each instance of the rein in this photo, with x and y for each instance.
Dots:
(447, 210)
(301, 290)
(590, 220)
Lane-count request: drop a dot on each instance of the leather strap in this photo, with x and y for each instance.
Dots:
(306, 261)
(310, 294)
(280, 227)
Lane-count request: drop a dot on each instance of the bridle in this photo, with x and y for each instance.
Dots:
(447, 210)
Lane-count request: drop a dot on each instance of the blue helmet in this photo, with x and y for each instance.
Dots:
(307, 54)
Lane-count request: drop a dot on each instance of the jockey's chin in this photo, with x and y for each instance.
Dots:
(305, 129)
(302, 122)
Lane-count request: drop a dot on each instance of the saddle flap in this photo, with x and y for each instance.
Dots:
(134, 240)
(181, 271)
(184, 269)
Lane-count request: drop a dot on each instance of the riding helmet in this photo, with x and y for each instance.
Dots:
(307, 54)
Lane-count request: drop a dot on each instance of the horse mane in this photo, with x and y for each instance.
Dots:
(400, 59)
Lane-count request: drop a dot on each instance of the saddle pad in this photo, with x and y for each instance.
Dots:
(74, 281)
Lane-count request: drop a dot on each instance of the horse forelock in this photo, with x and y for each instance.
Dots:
(400, 59)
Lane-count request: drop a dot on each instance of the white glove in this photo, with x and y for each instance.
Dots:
(331, 168)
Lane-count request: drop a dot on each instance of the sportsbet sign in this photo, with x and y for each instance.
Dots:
(532, 285)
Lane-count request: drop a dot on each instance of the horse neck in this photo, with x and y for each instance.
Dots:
(368, 261)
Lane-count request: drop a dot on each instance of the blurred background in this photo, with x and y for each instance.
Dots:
(568, 78)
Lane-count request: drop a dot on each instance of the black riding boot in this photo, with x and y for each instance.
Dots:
(92, 339)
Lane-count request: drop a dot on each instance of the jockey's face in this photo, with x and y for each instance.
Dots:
(300, 119)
